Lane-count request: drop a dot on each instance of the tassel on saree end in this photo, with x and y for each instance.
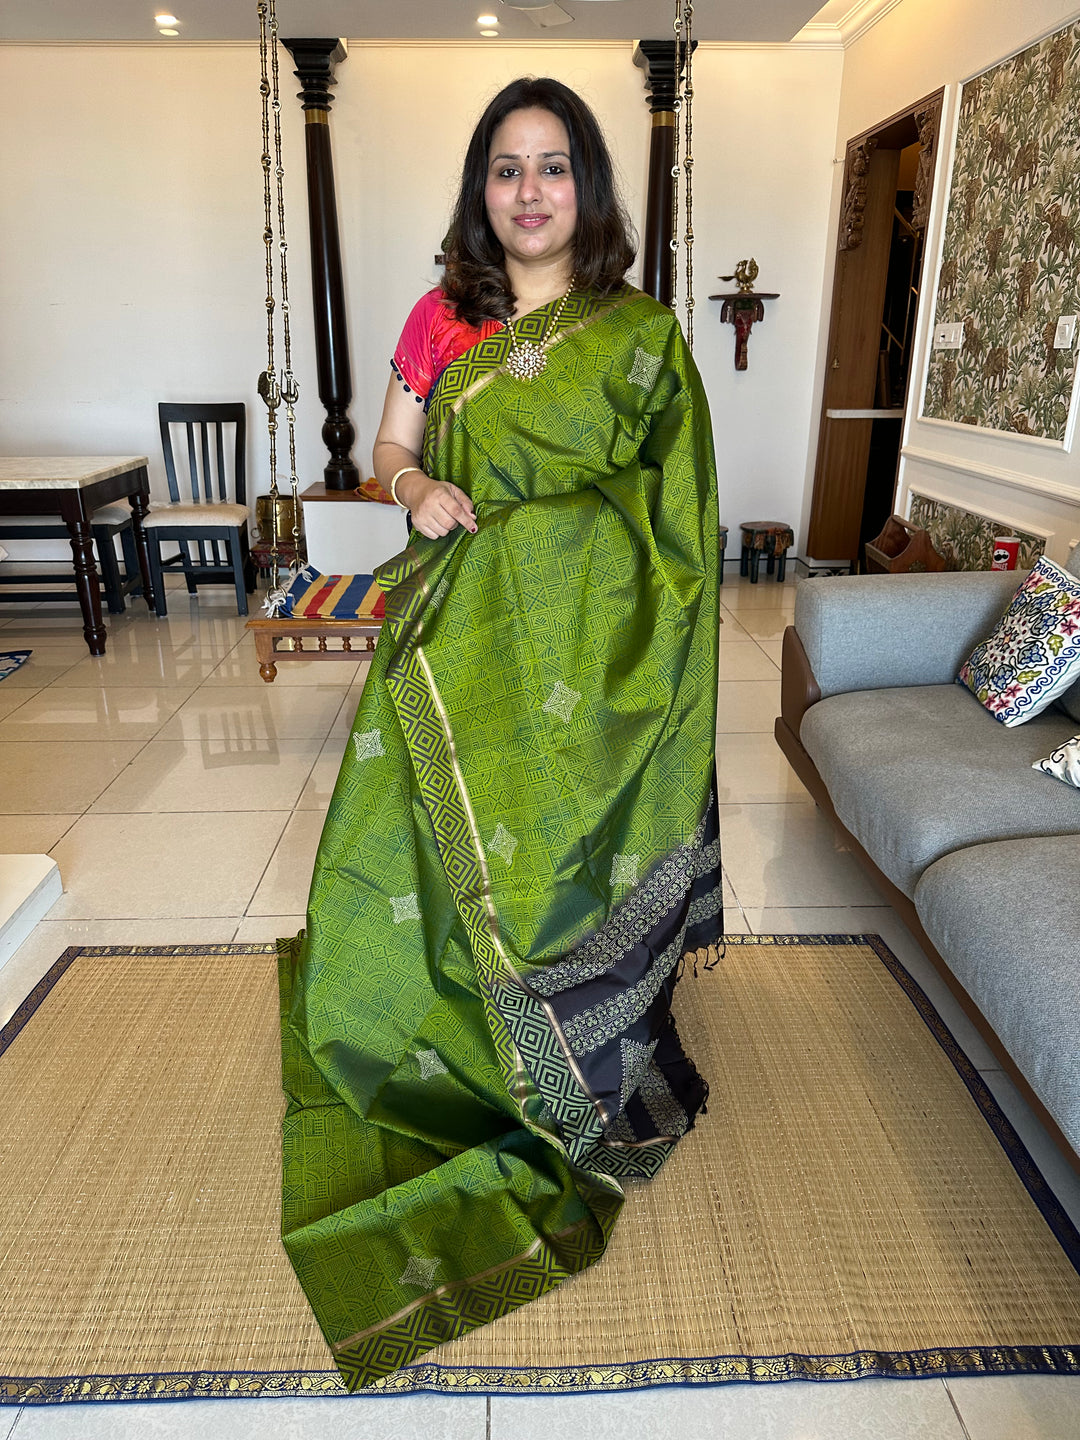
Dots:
(708, 957)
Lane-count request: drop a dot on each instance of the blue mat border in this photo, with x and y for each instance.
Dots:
(20, 657)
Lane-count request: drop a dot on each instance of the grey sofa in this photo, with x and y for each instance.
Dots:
(978, 852)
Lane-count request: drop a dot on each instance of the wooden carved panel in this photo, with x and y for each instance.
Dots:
(856, 179)
(928, 120)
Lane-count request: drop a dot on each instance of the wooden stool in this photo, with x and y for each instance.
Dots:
(769, 537)
(722, 540)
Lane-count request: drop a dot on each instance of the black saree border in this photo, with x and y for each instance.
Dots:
(934, 1362)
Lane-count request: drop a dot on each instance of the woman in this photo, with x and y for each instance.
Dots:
(522, 846)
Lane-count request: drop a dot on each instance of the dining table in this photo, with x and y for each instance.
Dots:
(73, 487)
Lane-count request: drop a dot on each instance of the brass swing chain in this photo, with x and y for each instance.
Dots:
(273, 391)
(688, 166)
(676, 164)
(683, 159)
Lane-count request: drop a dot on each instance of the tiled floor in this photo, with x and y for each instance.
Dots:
(183, 800)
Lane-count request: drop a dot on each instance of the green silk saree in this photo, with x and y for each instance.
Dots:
(521, 851)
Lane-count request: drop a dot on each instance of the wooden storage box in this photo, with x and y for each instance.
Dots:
(900, 548)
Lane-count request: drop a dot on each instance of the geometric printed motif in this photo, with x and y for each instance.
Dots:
(534, 1038)
(642, 910)
(666, 1113)
(624, 870)
(405, 907)
(420, 1271)
(636, 1059)
(706, 906)
(503, 844)
(445, 1316)
(645, 369)
(430, 1064)
(630, 1160)
(368, 744)
(483, 361)
(561, 702)
(601, 1023)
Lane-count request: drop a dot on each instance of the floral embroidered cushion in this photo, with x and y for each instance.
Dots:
(1069, 700)
(1033, 654)
(1063, 763)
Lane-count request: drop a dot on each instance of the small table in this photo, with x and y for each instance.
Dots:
(769, 537)
(73, 487)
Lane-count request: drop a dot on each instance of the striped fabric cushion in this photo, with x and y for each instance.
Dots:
(335, 597)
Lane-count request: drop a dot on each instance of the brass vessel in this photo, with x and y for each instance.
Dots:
(286, 510)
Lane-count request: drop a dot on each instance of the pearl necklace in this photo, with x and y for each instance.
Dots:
(528, 358)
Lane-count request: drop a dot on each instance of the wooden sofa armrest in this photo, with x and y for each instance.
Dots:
(798, 688)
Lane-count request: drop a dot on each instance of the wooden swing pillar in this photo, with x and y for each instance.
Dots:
(315, 61)
(657, 59)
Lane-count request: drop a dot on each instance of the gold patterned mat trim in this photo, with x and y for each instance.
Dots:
(852, 1204)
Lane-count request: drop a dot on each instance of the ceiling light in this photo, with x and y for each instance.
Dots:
(162, 30)
(490, 34)
(487, 19)
(166, 20)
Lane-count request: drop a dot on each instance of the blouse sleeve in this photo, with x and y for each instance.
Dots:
(414, 361)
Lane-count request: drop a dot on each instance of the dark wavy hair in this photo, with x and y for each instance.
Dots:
(475, 280)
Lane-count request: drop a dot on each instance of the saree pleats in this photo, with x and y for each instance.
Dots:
(521, 849)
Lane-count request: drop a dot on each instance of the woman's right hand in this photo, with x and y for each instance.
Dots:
(436, 506)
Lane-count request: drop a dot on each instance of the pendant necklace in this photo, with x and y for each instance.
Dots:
(528, 358)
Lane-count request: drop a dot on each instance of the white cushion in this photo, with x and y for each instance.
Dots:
(1063, 763)
(192, 515)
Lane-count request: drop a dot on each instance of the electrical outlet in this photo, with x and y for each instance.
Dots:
(949, 336)
(1065, 333)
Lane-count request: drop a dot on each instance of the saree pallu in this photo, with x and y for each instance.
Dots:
(521, 852)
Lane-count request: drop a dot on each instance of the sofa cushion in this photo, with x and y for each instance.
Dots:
(1070, 700)
(917, 772)
(1006, 917)
(1033, 653)
(1063, 763)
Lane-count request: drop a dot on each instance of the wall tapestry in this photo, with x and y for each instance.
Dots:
(966, 539)
(1012, 246)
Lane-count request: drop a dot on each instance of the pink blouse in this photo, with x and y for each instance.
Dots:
(432, 339)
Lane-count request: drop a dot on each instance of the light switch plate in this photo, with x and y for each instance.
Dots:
(949, 336)
(1065, 333)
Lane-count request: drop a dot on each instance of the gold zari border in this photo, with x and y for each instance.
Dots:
(566, 1379)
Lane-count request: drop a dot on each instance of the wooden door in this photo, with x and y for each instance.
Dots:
(854, 342)
(862, 267)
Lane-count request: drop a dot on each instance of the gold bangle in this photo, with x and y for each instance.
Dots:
(393, 483)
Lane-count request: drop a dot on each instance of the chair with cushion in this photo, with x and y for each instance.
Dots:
(214, 522)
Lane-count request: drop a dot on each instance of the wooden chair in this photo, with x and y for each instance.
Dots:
(107, 523)
(216, 516)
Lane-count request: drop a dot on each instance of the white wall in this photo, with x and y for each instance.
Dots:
(916, 48)
(131, 219)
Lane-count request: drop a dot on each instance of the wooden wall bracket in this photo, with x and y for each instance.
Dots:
(743, 309)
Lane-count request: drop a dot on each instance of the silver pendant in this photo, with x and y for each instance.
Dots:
(526, 360)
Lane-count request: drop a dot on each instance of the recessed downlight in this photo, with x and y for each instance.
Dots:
(489, 34)
(166, 20)
(165, 30)
(487, 19)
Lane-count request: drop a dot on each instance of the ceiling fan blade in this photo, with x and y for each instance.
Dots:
(549, 15)
(543, 13)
